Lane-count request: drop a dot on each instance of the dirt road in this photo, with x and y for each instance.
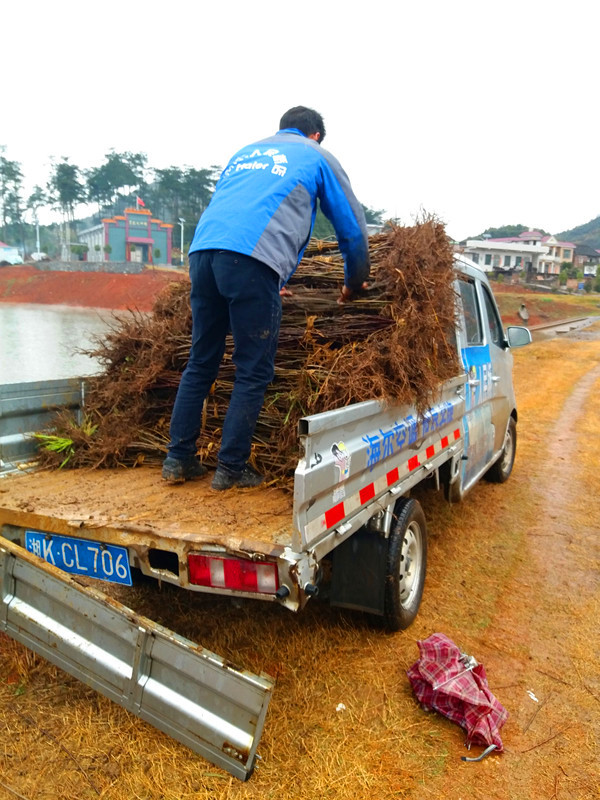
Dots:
(543, 634)
(513, 579)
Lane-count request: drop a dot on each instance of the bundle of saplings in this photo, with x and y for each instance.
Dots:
(395, 342)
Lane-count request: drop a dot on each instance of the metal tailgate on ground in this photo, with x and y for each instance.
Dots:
(191, 694)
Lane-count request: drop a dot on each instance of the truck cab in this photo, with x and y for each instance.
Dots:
(490, 413)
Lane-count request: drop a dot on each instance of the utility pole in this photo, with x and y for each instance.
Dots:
(37, 233)
(181, 222)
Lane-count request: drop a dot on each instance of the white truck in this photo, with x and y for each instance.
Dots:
(351, 528)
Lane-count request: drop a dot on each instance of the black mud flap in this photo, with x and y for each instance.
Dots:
(358, 577)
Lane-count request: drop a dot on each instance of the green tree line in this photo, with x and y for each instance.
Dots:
(172, 194)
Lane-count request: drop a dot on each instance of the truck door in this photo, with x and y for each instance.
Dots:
(477, 362)
(501, 368)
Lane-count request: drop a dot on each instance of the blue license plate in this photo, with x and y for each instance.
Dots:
(106, 562)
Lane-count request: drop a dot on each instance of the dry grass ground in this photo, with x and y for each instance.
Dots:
(513, 579)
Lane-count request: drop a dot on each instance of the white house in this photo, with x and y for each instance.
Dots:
(503, 255)
(531, 250)
(10, 254)
(558, 252)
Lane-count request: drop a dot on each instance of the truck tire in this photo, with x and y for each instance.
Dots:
(501, 469)
(406, 565)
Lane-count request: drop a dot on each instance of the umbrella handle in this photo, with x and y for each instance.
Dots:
(485, 753)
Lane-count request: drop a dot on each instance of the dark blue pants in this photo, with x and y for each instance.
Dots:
(238, 293)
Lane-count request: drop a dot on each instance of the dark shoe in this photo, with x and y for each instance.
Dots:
(175, 470)
(245, 479)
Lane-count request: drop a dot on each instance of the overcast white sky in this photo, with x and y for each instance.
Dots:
(484, 113)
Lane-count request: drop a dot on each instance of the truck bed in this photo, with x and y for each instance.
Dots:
(118, 505)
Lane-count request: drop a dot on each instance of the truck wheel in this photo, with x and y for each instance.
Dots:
(501, 469)
(406, 565)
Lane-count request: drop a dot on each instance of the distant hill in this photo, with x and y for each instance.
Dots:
(583, 234)
(505, 231)
(588, 234)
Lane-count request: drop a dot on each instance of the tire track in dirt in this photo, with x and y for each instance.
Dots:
(558, 488)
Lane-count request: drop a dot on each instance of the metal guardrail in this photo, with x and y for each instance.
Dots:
(191, 694)
(559, 323)
(29, 407)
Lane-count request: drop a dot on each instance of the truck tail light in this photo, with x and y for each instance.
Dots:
(233, 573)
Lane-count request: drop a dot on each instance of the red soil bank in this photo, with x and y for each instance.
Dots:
(26, 284)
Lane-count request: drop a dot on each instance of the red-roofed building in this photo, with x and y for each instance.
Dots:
(527, 237)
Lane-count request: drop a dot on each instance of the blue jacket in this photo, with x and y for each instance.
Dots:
(265, 202)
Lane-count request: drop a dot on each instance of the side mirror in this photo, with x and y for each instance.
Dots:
(517, 336)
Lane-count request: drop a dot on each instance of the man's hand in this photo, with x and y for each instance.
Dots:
(348, 294)
(285, 292)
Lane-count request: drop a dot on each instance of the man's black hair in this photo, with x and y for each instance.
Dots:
(305, 119)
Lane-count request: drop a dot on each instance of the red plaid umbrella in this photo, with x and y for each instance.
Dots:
(454, 684)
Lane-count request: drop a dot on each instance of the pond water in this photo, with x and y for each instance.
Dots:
(41, 342)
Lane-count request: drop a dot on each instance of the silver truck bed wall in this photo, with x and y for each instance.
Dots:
(365, 454)
(28, 407)
(356, 461)
(193, 695)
